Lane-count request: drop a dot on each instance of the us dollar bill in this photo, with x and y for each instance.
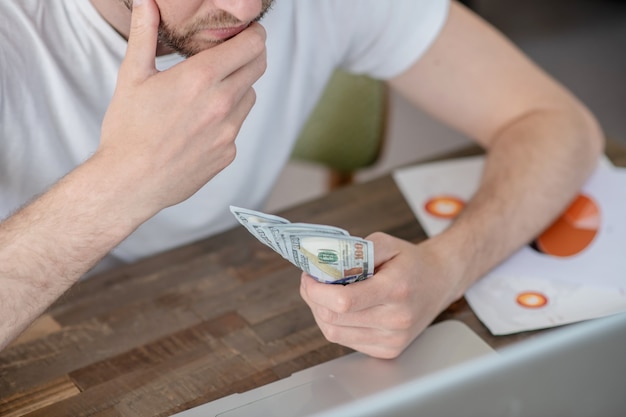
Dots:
(254, 221)
(327, 253)
(333, 259)
(280, 233)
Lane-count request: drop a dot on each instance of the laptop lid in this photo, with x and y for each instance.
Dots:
(355, 376)
(575, 371)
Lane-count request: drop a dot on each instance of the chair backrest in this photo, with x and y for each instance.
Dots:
(346, 130)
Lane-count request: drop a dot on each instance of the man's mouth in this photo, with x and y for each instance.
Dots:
(222, 34)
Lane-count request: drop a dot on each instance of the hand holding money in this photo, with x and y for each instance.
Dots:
(327, 253)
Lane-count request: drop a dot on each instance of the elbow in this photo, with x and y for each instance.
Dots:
(592, 136)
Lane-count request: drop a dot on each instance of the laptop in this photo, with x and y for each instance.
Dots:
(342, 380)
(579, 370)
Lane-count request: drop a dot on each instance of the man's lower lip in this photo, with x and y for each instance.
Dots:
(225, 33)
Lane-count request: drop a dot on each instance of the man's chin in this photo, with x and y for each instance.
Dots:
(189, 52)
(188, 48)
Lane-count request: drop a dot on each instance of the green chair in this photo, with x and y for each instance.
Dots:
(346, 130)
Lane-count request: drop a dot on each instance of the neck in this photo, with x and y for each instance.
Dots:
(118, 16)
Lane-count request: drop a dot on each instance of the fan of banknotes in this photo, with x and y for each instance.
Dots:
(329, 254)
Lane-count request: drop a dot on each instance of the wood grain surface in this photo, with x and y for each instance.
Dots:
(220, 316)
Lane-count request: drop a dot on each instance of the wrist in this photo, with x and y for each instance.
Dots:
(116, 190)
(456, 255)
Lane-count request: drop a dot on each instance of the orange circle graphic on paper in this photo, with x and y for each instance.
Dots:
(532, 300)
(445, 207)
(574, 231)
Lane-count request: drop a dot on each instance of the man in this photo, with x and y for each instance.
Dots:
(178, 144)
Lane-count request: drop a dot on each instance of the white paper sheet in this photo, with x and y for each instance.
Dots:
(586, 284)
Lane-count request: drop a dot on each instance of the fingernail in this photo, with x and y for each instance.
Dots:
(137, 2)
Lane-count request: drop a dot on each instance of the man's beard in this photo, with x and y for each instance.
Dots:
(182, 40)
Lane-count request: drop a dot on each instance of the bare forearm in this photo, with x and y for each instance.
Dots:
(49, 244)
(153, 153)
(534, 168)
(542, 143)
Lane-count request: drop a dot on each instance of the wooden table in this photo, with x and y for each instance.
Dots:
(197, 323)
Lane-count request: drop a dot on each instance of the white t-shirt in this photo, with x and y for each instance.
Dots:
(58, 67)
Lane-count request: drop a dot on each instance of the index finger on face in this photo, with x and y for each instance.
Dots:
(142, 40)
(234, 53)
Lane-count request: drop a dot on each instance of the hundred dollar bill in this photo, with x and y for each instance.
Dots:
(254, 220)
(333, 259)
(280, 234)
(327, 253)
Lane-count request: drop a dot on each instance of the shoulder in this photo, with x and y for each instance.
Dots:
(380, 38)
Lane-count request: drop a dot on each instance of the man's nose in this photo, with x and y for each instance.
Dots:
(244, 10)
